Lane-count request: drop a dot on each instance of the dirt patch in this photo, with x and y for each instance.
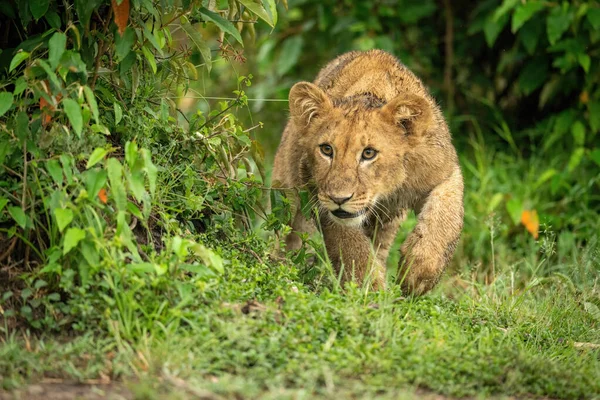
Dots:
(68, 391)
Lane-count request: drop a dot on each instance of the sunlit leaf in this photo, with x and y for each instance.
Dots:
(18, 215)
(524, 12)
(222, 23)
(91, 100)
(72, 239)
(17, 60)
(115, 177)
(150, 57)
(6, 102)
(97, 155)
(73, 111)
(118, 113)
(259, 10)
(63, 216)
(56, 48)
(557, 24)
(514, 207)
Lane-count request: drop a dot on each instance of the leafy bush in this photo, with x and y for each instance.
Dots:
(106, 184)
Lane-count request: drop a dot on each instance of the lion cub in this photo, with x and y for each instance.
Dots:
(370, 143)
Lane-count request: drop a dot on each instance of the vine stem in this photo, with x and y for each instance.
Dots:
(101, 49)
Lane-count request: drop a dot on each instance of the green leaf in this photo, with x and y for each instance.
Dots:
(20, 86)
(22, 126)
(97, 155)
(150, 169)
(493, 28)
(85, 8)
(6, 102)
(90, 253)
(3, 203)
(530, 34)
(72, 239)
(152, 39)
(557, 23)
(524, 12)
(544, 177)
(136, 185)
(258, 10)
(115, 177)
(585, 61)
(63, 216)
(55, 170)
(91, 100)
(594, 112)
(18, 215)
(150, 57)
(17, 60)
(595, 156)
(578, 131)
(271, 8)
(533, 75)
(123, 44)
(94, 179)
(54, 82)
(593, 16)
(56, 48)
(575, 159)
(73, 111)
(142, 268)
(118, 113)
(38, 8)
(200, 44)
(504, 9)
(209, 257)
(221, 23)
(514, 208)
(290, 53)
(53, 20)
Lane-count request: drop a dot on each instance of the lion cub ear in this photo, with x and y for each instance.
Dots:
(410, 111)
(308, 102)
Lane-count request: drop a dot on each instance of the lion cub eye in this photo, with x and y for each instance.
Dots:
(369, 153)
(326, 149)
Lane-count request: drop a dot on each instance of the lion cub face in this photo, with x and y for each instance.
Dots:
(355, 147)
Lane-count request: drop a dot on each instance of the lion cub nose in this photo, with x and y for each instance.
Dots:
(340, 200)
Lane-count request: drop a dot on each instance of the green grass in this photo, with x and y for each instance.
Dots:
(465, 339)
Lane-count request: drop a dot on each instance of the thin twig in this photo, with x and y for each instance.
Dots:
(101, 48)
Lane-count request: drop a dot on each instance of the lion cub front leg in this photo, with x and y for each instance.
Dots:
(429, 248)
(349, 248)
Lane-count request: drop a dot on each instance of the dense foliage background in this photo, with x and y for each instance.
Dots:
(136, 139)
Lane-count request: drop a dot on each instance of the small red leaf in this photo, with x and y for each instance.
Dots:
(531, 221)
(103, 196)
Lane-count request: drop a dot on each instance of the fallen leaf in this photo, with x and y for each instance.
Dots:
(121, 14)
(531, 221)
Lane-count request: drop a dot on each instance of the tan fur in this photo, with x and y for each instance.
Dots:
(370, 100)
